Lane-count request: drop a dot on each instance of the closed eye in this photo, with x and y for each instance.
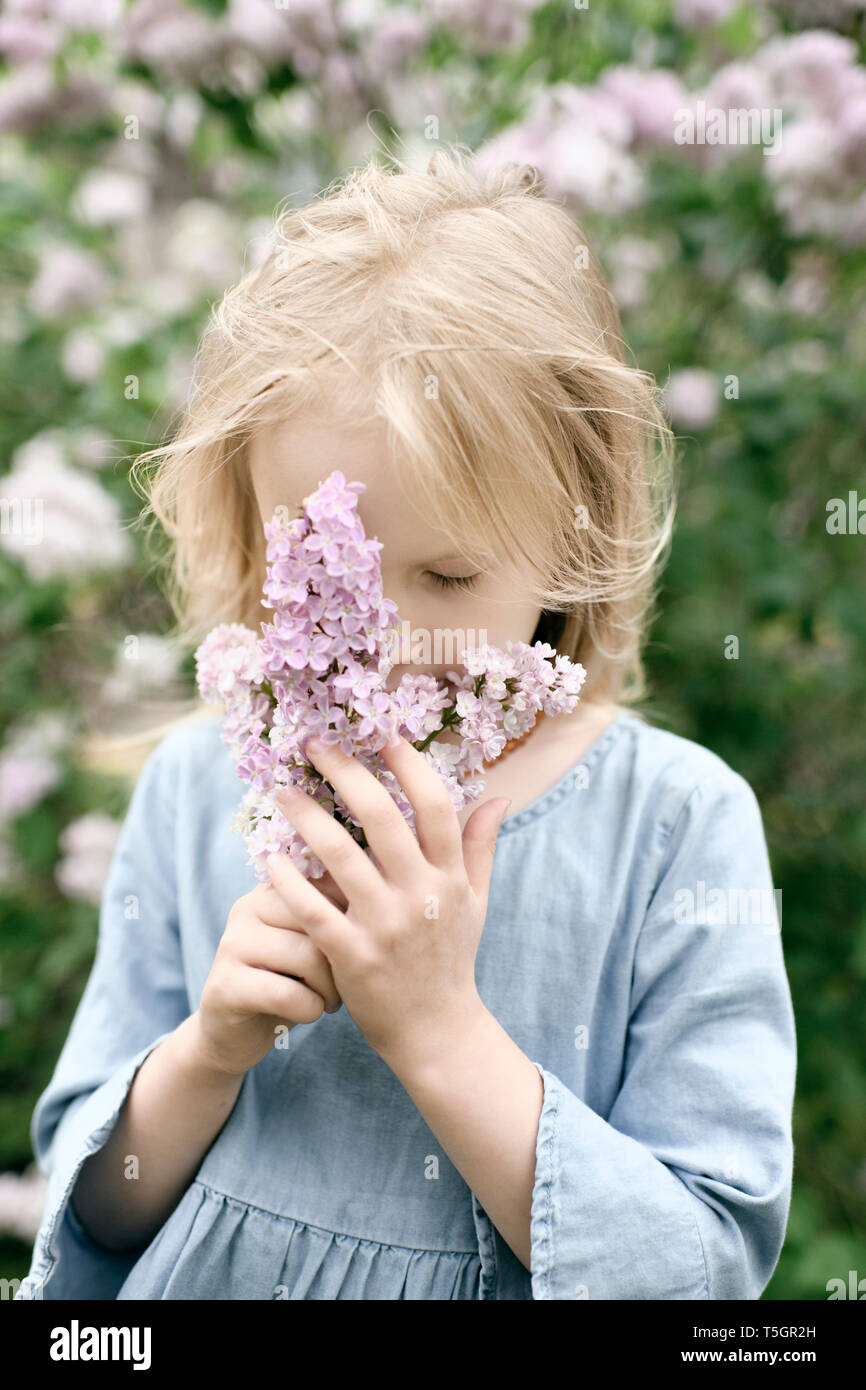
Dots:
(447, 581)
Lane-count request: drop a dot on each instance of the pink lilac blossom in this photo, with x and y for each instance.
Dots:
(25, 778)
(177, 41)
(32, 96)
(399, 36)
(69, 280)
(579, 139)
(487, 26)
(700, 14)
(692, 397)
(813, 66)
(320, 668)
(650, 98)
(739, 85)
(591, 142)
(29, 766)
(29, 38)
(261, 28)
(816, 172)
(88, 844)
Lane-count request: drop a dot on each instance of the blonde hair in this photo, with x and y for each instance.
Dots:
(470, 313)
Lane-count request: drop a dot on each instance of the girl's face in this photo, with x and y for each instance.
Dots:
(432, 584)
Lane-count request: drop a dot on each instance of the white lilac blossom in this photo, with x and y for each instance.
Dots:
(320, 668)
(63, 522)
(107, 196)
(82, 356)
(143, 662)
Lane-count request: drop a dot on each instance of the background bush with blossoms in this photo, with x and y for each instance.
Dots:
(143, 148)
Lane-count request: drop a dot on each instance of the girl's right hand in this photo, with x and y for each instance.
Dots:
(266, 972)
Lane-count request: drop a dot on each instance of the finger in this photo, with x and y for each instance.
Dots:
(325, 884)
(266, 992)
(353, 871)
(388, 834)
(295, 955)
(436, 822)
(323, 923)
(479, 844)
(270, 907)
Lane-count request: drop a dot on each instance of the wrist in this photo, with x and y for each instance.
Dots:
(199, 1058)
(434, 1048)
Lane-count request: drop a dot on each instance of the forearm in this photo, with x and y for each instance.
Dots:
(176, 1106)
(482, 1097)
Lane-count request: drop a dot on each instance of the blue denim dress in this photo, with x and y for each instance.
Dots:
(631, 949)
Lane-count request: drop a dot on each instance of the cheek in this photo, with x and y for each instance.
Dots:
(513, 620)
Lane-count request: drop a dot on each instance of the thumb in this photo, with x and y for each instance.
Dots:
(479, 843)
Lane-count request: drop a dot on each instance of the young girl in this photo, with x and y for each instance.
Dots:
(575, 1078)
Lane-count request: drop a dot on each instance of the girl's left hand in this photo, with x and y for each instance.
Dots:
(403, 953)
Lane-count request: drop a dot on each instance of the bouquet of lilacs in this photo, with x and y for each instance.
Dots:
(321, 666)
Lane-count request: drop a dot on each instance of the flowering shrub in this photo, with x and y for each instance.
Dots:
(143, 150)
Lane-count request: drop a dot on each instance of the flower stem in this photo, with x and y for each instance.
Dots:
(449, 718)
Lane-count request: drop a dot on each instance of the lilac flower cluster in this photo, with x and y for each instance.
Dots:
(592, 142)
(321, 666)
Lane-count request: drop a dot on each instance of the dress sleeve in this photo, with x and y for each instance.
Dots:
(683, 1190)
(134, 998)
